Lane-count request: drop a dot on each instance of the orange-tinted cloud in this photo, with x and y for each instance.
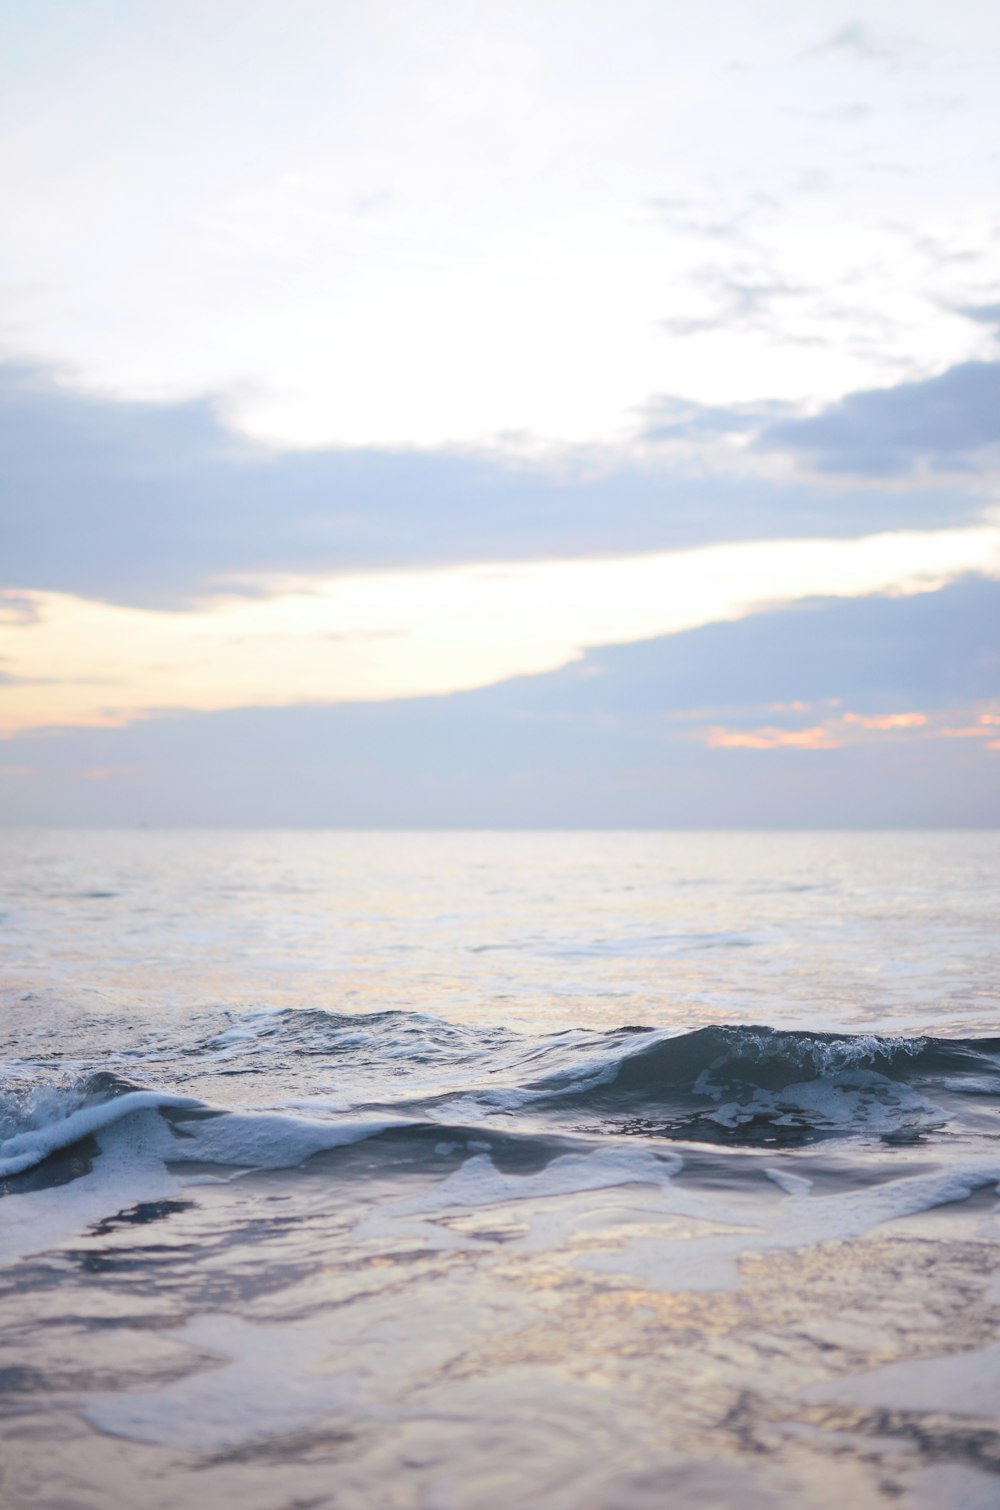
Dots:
(852, 728)
(818, 737)
(886, 720)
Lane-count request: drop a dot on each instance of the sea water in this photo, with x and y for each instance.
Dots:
(462, 1171)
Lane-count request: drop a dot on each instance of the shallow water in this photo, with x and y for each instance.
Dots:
(468, 1170)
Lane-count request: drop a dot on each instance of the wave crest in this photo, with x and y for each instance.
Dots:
(738, 1085)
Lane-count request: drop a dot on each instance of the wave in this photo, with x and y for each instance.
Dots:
(757, 1084)
(742, 1086)
(713, 1060)
(642, 1054)
(70, 1122)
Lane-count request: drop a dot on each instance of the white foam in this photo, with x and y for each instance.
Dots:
(128, 1170)
(852, 1213)
(710, 1262)
(791, 1184)
(26, 1149)
(859, 1100)
(271, 1140)
(480, 1183)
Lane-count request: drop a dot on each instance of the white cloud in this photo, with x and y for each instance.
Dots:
(384, 635)
(384, 224)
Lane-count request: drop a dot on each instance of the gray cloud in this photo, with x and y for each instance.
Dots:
(594, 744)
(154, 503)
(928, 650)
(985, 314)
(941, 423)
(948, 424)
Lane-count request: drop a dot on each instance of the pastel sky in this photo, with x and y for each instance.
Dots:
(375, 377)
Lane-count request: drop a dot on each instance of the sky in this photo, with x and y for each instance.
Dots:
(376, 380)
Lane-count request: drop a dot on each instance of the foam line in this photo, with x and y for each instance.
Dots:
(27, 1149)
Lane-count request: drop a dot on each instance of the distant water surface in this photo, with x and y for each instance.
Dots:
(470, 1170)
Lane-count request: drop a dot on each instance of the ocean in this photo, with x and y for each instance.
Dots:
(459, 1171)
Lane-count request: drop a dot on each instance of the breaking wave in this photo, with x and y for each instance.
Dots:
(416, 1081)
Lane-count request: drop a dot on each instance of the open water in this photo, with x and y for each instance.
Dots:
(579, 1171)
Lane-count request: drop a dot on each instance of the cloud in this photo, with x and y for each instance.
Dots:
(18, 608)
(149, 503)
(391, 263)
(942, 423)
(617, 739)
(883, 721)
(984, 314)
(855, 40)
(815, 737)
(880, 654)
(839, 728)
(676, 419)
(751, 297)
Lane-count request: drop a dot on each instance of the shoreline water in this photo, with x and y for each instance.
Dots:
(564, 1252)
